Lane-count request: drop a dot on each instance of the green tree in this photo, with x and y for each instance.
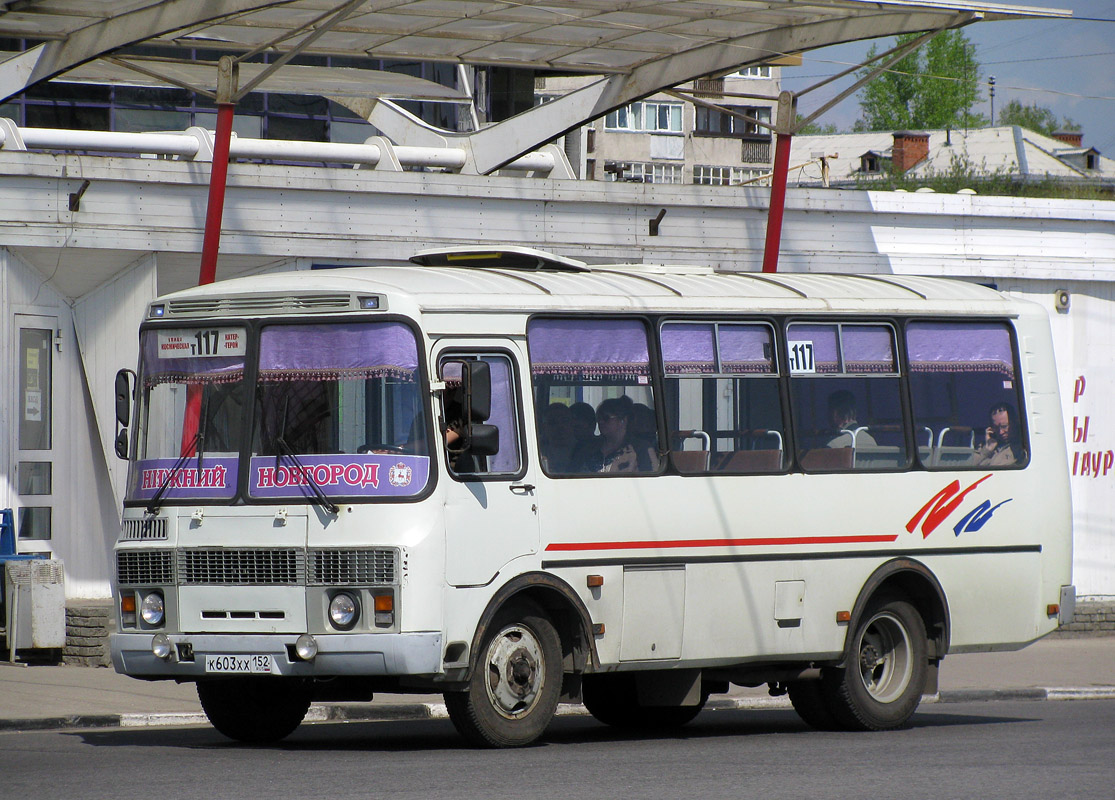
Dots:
(935, 86)
(1034, 117)
(814, 129)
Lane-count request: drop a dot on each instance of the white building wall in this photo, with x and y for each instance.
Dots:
(78, 500)
(107, 320)
(1084, 339)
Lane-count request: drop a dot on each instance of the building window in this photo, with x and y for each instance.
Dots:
(642, 172)
(871, 163)
(649, 116)
(753, 72)
(711, 122)
(706, 175)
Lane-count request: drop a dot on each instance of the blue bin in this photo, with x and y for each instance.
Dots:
(7, 533)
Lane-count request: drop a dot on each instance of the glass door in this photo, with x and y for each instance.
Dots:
(34, 430)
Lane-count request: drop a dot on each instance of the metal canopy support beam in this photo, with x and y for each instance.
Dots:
(505, 141)
(784, 127)
(53, 58)
(227, 74)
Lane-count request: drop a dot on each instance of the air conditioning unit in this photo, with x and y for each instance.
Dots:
(34, 604)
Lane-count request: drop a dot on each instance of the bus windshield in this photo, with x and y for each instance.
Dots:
(335, 411)
(190, 413)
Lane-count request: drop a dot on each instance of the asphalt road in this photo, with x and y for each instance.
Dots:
(986, 750)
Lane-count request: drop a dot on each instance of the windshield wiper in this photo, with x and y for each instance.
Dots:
(319, 496)
(195, 445)
(187, 453)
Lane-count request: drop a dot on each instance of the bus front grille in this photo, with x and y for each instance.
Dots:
(352, 566)
(144, 567)
(213, 566)
(241, 567)
(146, 530)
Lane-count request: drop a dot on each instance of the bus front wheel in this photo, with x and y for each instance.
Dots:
(515, 684)
(885, 670)
(258, 710)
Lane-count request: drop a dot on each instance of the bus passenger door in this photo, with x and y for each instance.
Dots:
(491, 512)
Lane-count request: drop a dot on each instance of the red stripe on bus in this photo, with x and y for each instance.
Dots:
(861, 539)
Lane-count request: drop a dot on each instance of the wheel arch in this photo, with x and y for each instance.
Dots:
(562, 605)
(910, 580)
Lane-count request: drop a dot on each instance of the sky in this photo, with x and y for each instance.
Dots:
(1067, 66)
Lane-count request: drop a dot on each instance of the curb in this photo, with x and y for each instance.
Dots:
(397, 712)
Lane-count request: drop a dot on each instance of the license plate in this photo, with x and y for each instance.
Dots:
(254, 663)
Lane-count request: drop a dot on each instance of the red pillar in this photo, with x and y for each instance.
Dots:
(777, 201)
(216, 207)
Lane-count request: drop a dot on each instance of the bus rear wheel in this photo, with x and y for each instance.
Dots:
(257, 710)
(515, 684)
(886, 667)
(614, 700)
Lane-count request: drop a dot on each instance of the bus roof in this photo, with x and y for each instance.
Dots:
(612, 288)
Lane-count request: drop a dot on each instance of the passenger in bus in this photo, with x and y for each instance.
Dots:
(1002, 445)
(613, 450)
(557, 437)
(842, 418)
(584, 422)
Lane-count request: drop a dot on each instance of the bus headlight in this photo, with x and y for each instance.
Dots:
(152, 609)
(344, 611)
(161, 646)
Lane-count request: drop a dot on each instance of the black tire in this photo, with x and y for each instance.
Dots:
(886, 667)
(614, 700)
(810, 701)
(515, 684)
(258, 710)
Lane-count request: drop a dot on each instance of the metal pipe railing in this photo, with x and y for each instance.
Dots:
(197, 143)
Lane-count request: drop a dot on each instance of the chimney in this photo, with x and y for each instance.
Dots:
(1071, 138)
(910, 147)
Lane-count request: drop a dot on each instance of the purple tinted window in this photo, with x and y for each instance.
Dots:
(826, 351)
(746, 349)
(868, 348)
(959, 346)
(688, 349)
(350, 351)
(589, 348)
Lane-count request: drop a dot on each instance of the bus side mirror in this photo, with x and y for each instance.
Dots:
(123, 392)
(483, 440)
(478, 390)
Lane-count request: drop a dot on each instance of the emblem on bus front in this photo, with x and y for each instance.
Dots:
(400, 475)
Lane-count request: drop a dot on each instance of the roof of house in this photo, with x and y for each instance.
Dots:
(1005, 149)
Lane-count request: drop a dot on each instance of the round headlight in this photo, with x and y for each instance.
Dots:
(161, 646)
(344, 610)
(306, 647)
(152, 609)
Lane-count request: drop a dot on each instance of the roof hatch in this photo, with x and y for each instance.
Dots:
(525, 258)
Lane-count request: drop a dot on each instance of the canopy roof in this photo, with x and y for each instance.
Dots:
(639, 46)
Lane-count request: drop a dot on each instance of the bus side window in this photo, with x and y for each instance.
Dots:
(723, 407)
(846, 397)
(966, 399)
(506, 460)
(599, 369)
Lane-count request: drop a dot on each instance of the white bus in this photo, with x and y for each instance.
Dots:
(515, 479)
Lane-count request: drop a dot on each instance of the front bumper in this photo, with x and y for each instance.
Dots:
(338, 654)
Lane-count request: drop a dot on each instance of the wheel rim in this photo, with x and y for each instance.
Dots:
(885, 663)
(516, 671)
